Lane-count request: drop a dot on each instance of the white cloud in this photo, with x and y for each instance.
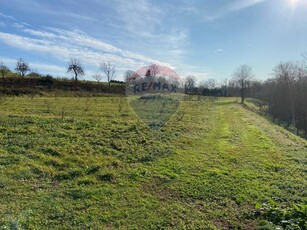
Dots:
(232, 7)
(78, 37)
(81, 39)
(242, 4)
(218, 51)
(140, 26)
(40, 33)
(145, 21)
(76, 45)
(139, 16)
(157, 42)
(7, 16)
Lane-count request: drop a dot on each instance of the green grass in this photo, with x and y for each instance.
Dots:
(80, 163)
(155, 111)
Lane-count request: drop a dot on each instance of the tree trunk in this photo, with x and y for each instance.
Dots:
(242, 93)
(76, 75)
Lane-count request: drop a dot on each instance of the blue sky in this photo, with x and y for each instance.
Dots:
(205, 38)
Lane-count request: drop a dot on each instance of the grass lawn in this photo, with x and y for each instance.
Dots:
(80, 163)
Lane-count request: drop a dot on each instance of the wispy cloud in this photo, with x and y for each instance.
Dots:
(64, 51)
(18, 25)
(218, 51)
(234, 6)
(40, 33)
(66, 44)
(145, 23)
(139, 16)
(142, 35)
(136, 32)
(7, 16)
(242, 4)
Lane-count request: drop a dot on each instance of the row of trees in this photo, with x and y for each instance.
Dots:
(107, 68)
(109, 73)
(22, 67)
(74, 66)
(283, 96)
(286, 94)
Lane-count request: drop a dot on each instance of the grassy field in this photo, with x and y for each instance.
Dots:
(81, 163)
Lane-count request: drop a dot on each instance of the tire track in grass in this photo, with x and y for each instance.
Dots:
(227, 169)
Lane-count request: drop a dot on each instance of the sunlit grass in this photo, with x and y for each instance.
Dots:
(91, 163)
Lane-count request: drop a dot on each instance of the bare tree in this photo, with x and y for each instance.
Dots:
(285, 96)
(210, 83)
(284, 100)
(224, 86)
(300, 97)
(22, 67)
(75, 66)
(3, 69)
(189, 84)
(242, 76)
(153, 70)
(98, 77)
(130, 75)
(108, 70)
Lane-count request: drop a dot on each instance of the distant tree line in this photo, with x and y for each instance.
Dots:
(283, 96)
(74, 66)
(36, 83)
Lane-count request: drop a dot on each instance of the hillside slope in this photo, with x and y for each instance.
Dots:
(85, 163)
